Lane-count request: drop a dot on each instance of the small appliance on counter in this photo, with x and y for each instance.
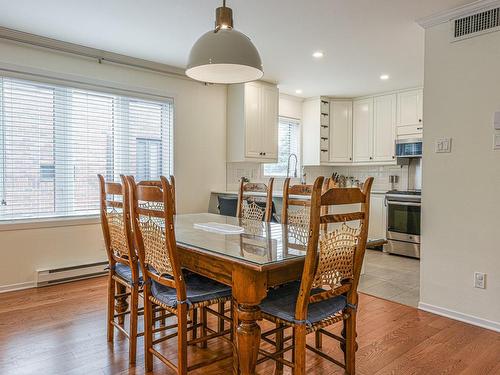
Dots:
(403, 222)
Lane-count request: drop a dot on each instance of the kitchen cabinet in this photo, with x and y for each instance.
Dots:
(410, 113)
(252, 122)
(362, 131)
(315, 131)
(340, 131)
(378, 217)
(384, 128)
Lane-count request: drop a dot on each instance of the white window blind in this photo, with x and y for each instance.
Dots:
(288, 143)
(54, 140)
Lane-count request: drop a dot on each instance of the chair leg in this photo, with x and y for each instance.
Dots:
(299, 350)
(111, 307)
(350, 347)
(163, 320)
(203, 319)
(148, 332)
(121, 305)
(318, 340)
(279, 347)
(182, 339)
(194, 319)
(134, 306)
(222, 307)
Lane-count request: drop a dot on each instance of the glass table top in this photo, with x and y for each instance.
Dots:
(260, 243)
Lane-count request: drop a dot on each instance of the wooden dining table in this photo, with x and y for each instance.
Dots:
(264, 255)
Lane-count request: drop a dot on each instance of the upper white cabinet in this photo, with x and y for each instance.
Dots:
(252, 122)
(410, 113)
(315, 131)
(340, 131)
(362, 133)
(384, 128)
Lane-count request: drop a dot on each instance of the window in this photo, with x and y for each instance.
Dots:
(288, 143)
(54, 140)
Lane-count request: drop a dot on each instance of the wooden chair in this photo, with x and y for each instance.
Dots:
(327, 293)
(158, 183)
(165, 283)
(253, 206)
(301, 214)
(124, 271)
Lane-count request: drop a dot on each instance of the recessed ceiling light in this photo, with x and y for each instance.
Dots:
(298, 91)
(384, 77)
(318, 54)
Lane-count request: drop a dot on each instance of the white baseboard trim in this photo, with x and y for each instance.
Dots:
(13, 287)
(474, 320)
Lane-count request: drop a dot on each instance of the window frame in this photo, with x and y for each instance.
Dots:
(299, 152)
(70, 82)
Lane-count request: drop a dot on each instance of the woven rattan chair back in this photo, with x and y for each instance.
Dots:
(296, 209)
(248, 208)
(116, 224)
(334, 257)
(152, 210)
(158, 184)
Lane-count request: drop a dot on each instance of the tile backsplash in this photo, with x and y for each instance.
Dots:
(254, 172)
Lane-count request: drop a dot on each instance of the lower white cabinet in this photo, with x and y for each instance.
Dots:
(378, 217)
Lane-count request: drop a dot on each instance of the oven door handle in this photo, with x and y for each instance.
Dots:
(413, 204)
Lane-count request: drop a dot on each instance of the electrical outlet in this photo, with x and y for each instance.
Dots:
(443, 145)
(479, 280)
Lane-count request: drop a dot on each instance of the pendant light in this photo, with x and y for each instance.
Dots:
(224, 55)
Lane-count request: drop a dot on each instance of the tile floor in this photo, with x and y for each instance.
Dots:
(391, 277)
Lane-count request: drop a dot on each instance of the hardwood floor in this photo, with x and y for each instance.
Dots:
(61, 330)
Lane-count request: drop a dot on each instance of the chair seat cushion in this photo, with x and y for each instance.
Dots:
(281, 302)
(124, 271)
(198, 289)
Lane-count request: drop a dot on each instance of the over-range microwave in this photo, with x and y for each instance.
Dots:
(409, 148)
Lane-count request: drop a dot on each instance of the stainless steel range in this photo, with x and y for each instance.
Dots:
(403, 222)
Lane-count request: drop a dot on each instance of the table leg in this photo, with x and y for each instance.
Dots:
(248, 337)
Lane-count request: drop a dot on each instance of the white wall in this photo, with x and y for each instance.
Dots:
(199, 156)
(461, 190)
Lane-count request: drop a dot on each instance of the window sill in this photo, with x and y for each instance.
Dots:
(55, 222)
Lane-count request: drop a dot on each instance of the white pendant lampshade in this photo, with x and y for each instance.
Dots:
(224, 55)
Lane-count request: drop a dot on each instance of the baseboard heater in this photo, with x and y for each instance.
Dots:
(67, 274)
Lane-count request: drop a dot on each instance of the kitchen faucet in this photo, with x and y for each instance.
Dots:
(288, 166)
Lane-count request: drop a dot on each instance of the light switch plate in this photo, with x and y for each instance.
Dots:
(496, 120)
(443, 145)
(496, 141)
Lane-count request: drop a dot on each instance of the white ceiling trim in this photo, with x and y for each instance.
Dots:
(98, 55)
(463, 11)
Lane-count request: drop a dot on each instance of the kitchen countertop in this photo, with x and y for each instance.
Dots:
(277, 193)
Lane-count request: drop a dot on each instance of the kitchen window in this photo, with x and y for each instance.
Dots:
(54, 140)
(288, 143)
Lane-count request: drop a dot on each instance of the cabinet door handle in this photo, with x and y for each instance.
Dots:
(350, 158)
(393, 157)
(263, 153)
(371, 157)
(419, 120)
(420, 128)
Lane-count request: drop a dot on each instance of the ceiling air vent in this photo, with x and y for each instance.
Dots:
(476, 24)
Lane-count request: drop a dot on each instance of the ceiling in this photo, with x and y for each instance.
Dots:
(361, 39)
